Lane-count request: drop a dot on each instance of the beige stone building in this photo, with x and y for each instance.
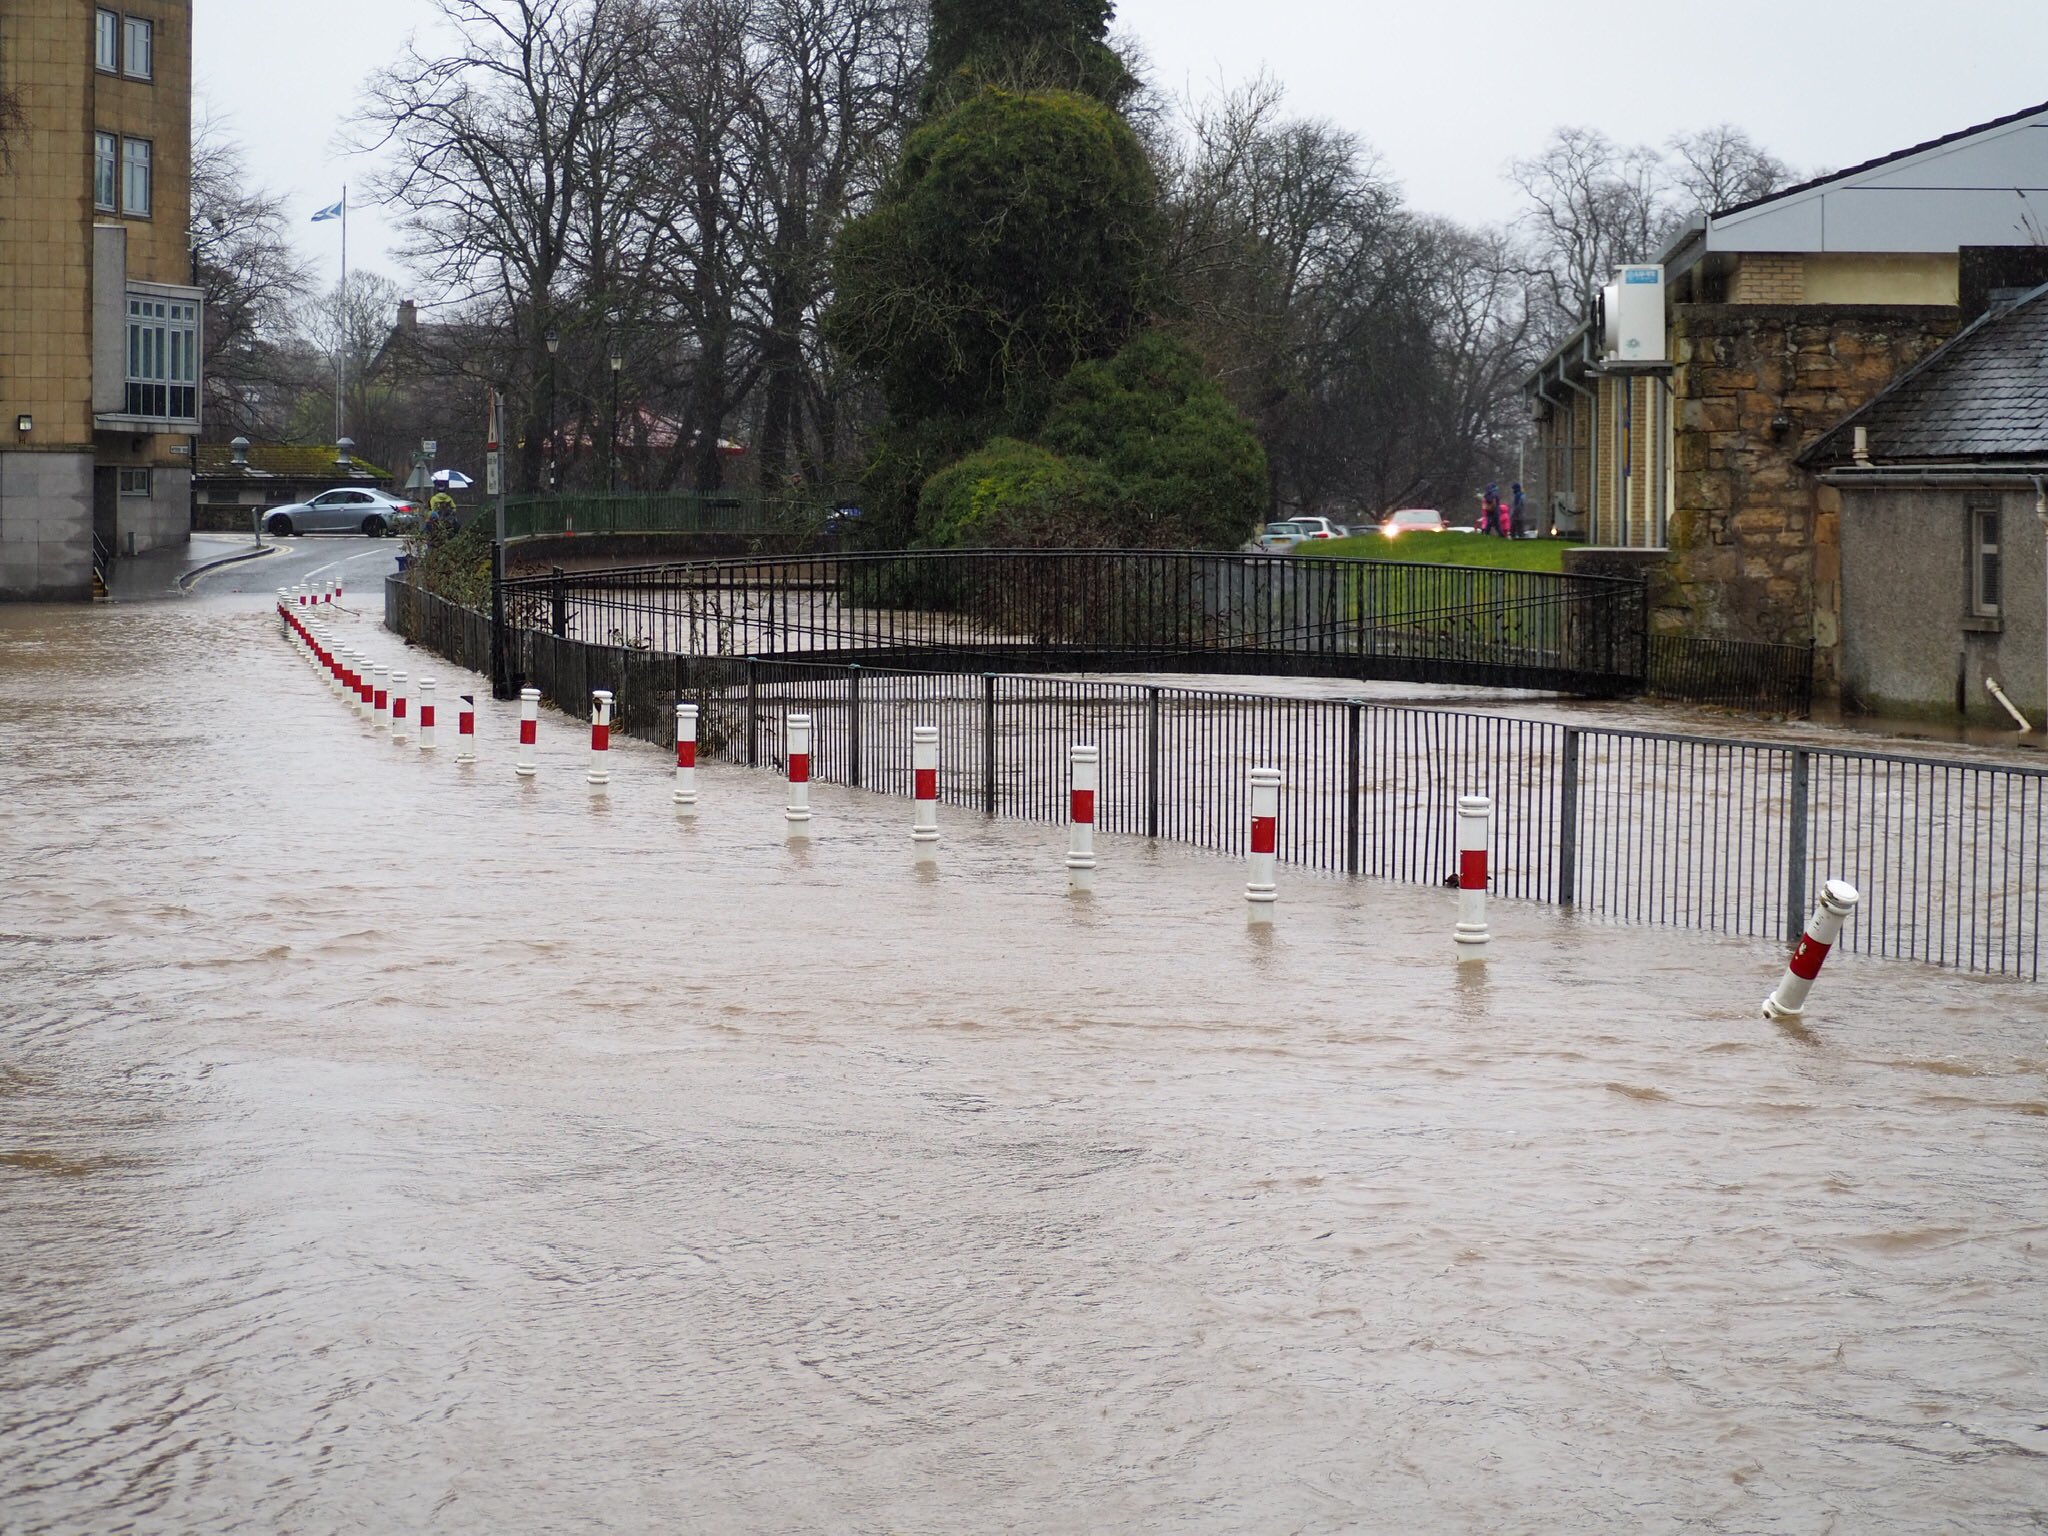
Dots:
(1778, 318)
(99, 322)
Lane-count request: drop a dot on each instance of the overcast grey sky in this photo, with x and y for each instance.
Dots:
(1448, 91)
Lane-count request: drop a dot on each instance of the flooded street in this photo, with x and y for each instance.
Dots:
(388, 1145)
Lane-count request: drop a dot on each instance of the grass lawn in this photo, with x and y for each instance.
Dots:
(1446, 549)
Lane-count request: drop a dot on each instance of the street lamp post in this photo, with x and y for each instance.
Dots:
(611, 447)
(554, 342)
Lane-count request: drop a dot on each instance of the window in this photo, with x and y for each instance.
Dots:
(106, 40)
(136, 36)
(1984, 560)
(163, 358)
(106, 154)
(134, 482)
(135, 176)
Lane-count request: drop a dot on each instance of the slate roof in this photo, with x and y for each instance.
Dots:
(1981, 397)
(289, 461)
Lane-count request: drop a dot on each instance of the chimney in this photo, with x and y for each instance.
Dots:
(408, 316)
(342, 450)
(240, 446)
(1861, 452)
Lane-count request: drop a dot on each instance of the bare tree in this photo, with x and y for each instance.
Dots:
(1721, 166)
(1590, 206)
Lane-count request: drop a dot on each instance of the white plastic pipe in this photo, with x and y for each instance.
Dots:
(924, 787)
(529, 732)
(1262, 885)
(796, 814)
(1084, 765)
(1837, 900)
(686, 758)
(1475, 825)
(426, 686)
(600, 737)
(401, 724)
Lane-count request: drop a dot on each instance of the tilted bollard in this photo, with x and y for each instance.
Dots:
(600, 737)
(529, 732)
(924, 788)
(1475, 822)
(465, 730)
(1084, 770)
(686, 757)
(401, 725)
(358, 682)
(796, 815)
(380, 696)
(426, 714)
(1261, 888)
(1837, 900)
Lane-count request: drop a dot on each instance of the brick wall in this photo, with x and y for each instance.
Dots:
(1769, 279)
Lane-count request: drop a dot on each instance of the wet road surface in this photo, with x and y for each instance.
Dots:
(387, 1146)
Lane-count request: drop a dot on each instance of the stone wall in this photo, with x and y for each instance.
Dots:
(1755, 542)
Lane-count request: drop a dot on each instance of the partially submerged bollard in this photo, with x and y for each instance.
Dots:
(529, 731)
(686, 757)
(1837, 900)
(1261, 887)
(1475, 823)
(401, 727)
(796, 815)
(1083, 768)
(600, 737)
(380, 697)
(426, 714)
(924, 788)
(465, 730)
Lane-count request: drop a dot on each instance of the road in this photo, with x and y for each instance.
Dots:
(359, 563)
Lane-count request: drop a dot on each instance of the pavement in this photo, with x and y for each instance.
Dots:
(161, 573)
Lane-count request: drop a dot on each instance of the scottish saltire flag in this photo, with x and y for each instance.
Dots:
(328, 213)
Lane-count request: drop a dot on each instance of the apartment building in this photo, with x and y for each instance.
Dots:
(99, 322)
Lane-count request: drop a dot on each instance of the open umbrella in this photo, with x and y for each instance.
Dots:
(454, 479)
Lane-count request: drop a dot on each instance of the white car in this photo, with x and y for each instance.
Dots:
(346, 509)
(1320, 527)
(1278, 539)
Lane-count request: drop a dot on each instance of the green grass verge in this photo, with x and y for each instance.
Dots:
(1447, 549)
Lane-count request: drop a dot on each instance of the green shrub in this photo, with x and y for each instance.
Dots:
(1017, 495)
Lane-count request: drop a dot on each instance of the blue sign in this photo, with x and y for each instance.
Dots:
(1642, 274)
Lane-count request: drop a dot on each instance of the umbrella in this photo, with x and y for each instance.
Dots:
(454, 479)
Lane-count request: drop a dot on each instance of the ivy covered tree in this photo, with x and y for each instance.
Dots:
(1023, 44)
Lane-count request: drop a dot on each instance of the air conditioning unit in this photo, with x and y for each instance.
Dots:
(1632, 317)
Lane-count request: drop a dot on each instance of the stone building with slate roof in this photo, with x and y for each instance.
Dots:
(233, 482)
(1940, 488)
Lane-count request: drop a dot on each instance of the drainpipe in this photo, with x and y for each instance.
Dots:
(2041, 513)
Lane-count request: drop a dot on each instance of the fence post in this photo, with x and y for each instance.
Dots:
(501, 679)
(1354, 744)
(853, 724)
(1795, 848)
(753, 714)
(558, 601)
(988, 743)
(1151, 762)
(1568, 817)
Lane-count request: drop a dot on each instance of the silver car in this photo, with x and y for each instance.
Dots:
(346, 509)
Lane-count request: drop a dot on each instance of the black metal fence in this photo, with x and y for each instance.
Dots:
(1734, 674)
(744, 513)
(1729, 836)
(1119, 610)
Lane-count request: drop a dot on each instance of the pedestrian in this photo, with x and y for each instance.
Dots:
(440, 513)
(1493, 516)
(1518, 512)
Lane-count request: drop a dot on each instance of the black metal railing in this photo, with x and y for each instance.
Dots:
(1123, 610)
(1730, 836)
(744, 513)
(1733, 674)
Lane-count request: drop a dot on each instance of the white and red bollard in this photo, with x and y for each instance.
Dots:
(465, 730)
(1084, 767)
(426, 714)
(1837, 900)
(358, 684)
(1475, 824)
(380, 696)
(796, 815)
(1261, 886)
(529, 732)
(924, 789)
(686, 758)
(337, 591)
(366, 688)
(600, 737)
(401, 724)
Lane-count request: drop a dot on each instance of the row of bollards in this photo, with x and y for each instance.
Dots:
(384, 695)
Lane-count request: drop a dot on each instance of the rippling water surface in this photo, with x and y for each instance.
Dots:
(387, 1146)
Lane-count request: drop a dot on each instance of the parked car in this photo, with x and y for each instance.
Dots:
(1278, 539)
(346, 509)
(1320, 527)
(1412, 520)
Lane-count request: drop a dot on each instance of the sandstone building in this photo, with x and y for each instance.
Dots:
(99, 322)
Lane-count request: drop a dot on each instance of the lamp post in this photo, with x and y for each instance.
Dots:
(554, 342)
(611, 447)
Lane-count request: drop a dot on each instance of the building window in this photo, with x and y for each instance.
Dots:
(136, 38)
(135, 177)
(163, 358)
(1985, 570)
(134, 482)
(106, 154)
(106, 40)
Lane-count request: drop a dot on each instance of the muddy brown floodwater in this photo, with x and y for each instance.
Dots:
(386, 1146)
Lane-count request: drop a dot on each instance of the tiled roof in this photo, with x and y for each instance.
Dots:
(296, 461)
(1984, 395)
